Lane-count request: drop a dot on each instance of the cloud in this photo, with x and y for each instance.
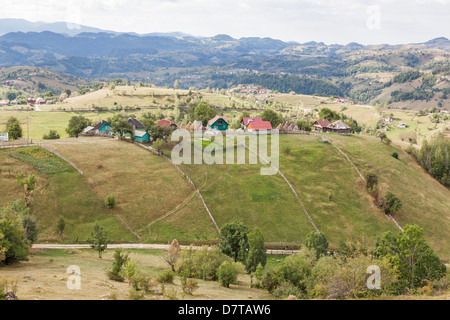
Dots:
(331, 21)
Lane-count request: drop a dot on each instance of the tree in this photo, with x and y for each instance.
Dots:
(77, 125)
(234, 241)
(98, 239)
(30, 228)
(110, 201)
(227, 274)
(329, 114)
(176, 84)
(148, 120)
(317, 242)
(409, 251)
(271, 116)
(204, 113)
(391, 203)
(173, 254)
(120, 259)
(12, 242)
(256, 252)
(61, 226)
(121, 125)
(13, 128)
(382, 136)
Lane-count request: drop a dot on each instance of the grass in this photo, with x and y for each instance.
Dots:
(425, 201)
(44, 277)
(152, 197)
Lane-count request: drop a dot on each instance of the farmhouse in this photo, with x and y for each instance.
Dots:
(339, 127)
(102, 127)
(320, 125)
(4, 102)
(166, 123)
(218, 123)
(136, 124)
(141, 136)
(259, 125)
(246, 121)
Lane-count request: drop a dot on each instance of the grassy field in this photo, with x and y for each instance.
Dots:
(425, 201)
(44, 277)
(152, 197)
(59, 193)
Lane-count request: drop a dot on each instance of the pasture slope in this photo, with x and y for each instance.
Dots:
(156, 202)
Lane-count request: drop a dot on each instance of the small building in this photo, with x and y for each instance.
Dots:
(402, 125)
(218, 123)
(246, 121)
(41, 101)
(102, 127)
(259, 125)
(166, 123)
(141, 136)
(339, 127)
(88, 130)
(320, 125)
(4, 102)
(136, 124)
(4, 136)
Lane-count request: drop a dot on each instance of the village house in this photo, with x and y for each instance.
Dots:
(246, 121)
(141, 136)
(103, 127)
(320, 125)
(136, 124)
(4, 103)
(339, 127)
(218, 123)
(4, 136)
(259, 125)
(166, 123)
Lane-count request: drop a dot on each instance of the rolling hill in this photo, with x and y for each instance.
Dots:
(157, 204)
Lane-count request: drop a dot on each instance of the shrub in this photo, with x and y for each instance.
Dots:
(144, 282)
(285, 290)
(119, 260)
(166, 276)
(227, 274)
(394, 154)
(128, 271)
(189, 285)
(316, 241)
(110, 201)
(391, 203)
(135, 295)
(52, 135)
(170, 293)
(272, 279)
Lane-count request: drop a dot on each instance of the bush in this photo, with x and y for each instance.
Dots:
(119, 260)
(227, 274)
(110, 201)
(52, 135)
(189, 285)
(166, 276)
(12, 239)
(394, 154)
(285, 290)
(144, 282)
(135, 295)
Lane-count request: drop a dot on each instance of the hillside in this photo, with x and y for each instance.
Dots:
(160, 205)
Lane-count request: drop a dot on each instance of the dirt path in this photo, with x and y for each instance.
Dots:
(137, 246)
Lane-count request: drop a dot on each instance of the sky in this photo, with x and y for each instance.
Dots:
(329, 21)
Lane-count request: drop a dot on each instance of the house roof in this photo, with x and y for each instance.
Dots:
(213, 120)
(136, 123)
(100, 124)
(140, 134)
(87, 129)
(245, 121)
(165, 123)
(339, 125)
(323, 123)
(260, 125)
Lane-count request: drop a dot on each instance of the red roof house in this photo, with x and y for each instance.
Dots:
(319, 125)
(246, 121)
(259, 125)
(165, 123)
